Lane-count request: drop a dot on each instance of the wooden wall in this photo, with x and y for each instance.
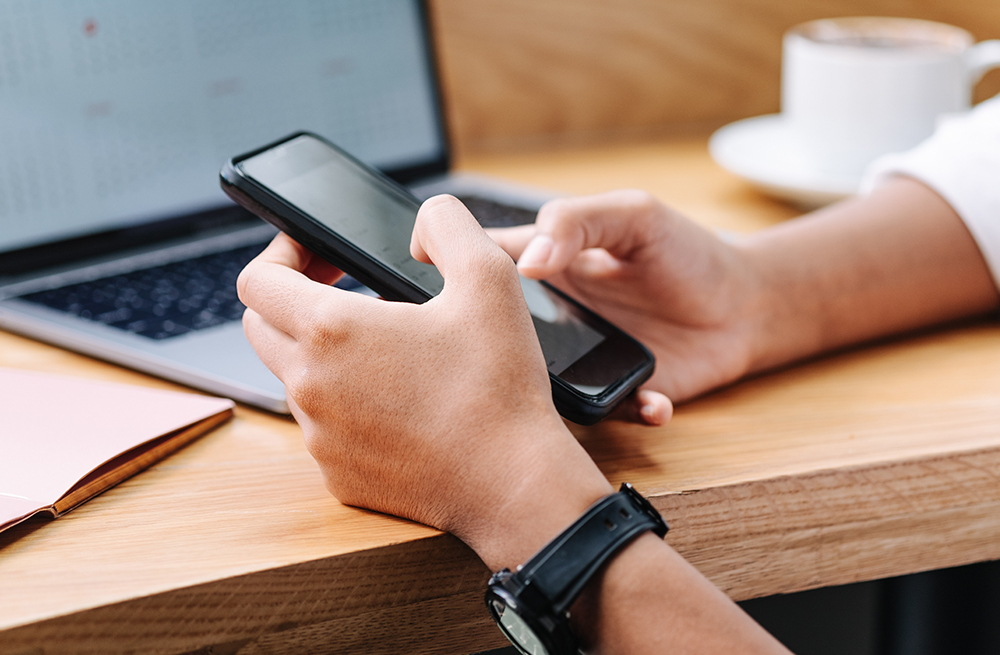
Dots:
(520, 73)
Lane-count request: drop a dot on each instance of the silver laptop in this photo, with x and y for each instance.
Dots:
(115, 117)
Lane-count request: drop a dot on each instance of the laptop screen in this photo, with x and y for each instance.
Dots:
(118, 112)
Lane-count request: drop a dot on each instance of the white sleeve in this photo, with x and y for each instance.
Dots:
(961, 162)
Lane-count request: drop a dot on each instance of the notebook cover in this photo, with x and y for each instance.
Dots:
(57, 430)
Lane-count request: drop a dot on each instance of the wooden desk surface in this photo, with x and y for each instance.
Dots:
(879, 461)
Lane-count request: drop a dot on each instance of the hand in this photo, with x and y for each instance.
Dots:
(442, 413)
(439, 412)
(673, 285)
(895, 260)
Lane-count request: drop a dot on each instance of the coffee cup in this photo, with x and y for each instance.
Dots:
(856, 88)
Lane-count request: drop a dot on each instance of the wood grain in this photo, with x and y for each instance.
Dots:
(421, 597)
(518, 72)
(877, 461)
(903, 445)
(836, 527)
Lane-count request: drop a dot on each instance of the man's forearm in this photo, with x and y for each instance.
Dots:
(896, 260)
(650, 600)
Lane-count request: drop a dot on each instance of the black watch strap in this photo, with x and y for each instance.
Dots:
(560, 570)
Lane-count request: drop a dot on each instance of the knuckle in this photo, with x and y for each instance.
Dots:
(297, 387)
(555, 211)
(639, 199)
(311, 324)
(440, 207)
(317, 445)
(320, 323)
(303, 387)
(441, 200)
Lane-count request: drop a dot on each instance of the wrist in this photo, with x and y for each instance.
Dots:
(781, 314)
(532, 603)
(546, 488)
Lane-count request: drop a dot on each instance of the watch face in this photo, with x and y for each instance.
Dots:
(519, 633)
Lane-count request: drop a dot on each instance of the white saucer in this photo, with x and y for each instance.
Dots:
(762, 151)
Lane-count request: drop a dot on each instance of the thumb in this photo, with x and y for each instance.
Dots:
(449, 237)
(620, 222)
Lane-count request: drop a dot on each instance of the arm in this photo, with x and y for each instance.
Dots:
(650, 600)
(890, 262)
(714, 311)
(442, 413)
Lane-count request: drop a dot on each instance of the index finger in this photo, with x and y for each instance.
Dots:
(512, 239)
(285, 250)
(620, 222)
(275, 284)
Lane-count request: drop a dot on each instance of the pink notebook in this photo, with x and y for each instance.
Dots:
(64, 440)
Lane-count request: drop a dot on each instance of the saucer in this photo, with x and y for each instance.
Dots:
(762, 151)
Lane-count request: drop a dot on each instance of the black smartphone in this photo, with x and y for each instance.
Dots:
(361, 221)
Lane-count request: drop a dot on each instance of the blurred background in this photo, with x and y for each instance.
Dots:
(522, 73)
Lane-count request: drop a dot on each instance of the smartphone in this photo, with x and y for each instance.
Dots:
(361, 221)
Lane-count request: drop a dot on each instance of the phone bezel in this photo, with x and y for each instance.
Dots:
(572, 403)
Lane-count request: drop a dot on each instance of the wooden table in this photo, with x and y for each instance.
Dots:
(875, 462)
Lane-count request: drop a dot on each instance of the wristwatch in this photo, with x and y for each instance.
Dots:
(531, 605)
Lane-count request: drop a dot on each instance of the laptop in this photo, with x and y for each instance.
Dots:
(115, 117)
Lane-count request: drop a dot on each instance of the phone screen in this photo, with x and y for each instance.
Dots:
(379, 219)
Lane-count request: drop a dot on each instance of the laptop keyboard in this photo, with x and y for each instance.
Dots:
(163, 301)
(491, 213)
(194, 294)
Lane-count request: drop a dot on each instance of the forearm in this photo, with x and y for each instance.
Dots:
(890, 262)
(650, 600)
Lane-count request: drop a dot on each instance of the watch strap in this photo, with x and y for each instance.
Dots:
(560, 570)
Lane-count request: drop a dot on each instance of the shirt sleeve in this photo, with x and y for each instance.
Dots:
(961, 162)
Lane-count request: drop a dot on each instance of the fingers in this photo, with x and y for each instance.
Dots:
(620, 222)
(646, 407)
(448, 236)
(322, 271)
(286, 251)
(276, 287)
(512, 239)
(273, 346)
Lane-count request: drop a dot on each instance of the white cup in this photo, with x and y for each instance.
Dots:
(856, 88)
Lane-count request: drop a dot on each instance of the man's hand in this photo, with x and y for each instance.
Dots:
(713, 312)
(439, 412)
(671, 284)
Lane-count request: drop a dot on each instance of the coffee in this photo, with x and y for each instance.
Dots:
(889, 33)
